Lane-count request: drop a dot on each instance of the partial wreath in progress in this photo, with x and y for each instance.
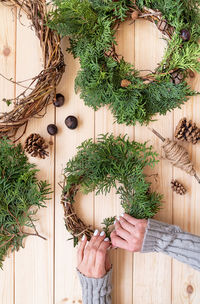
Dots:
(105, 78)
(109, 163)
(26, 106)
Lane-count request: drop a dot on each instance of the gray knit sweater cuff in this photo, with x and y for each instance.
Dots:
(171, 240)
(96, 291)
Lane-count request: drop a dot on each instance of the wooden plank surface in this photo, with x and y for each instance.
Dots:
(34, 275)
(7, 90)
(44, 272)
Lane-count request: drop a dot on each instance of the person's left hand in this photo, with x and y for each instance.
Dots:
(93, 259)
(129, 233)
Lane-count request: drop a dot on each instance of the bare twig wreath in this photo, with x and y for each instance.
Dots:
(26, 107)
(109, 163)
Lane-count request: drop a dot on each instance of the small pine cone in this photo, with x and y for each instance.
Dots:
(125, 83)
(178, 187)
(177, 76)
(187, 131)
(36, 146)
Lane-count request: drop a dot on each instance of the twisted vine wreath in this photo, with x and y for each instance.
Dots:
(26, 106)
(109, 163)
(105, 78)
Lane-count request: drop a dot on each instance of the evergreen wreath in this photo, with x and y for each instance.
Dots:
(21, 194)
(106, 79)
(26, 106)
(110, 162)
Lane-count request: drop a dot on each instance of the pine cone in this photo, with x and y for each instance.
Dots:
(187, 131)
(36, 146)
(178, 187)
(177, 76)
(125, 83)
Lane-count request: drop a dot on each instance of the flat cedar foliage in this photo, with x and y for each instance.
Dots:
(114, 163)
(91, 26)
(19, 191)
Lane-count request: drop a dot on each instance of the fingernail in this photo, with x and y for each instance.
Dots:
(96, 232)
(102, 233)
(106, 239)
(83, 237)
(118, 218)
(115, 221)
(122, 214)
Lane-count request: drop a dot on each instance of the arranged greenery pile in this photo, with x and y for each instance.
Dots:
(105, 78)
(19, 191)
(110, 162)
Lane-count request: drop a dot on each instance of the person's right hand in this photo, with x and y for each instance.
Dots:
(129, 233)
(93, 260)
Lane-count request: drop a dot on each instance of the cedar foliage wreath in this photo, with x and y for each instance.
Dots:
(110, 162)
(21, 195)
(106, 79)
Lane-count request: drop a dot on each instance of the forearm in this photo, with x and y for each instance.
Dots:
(96, 291)
(171, 240)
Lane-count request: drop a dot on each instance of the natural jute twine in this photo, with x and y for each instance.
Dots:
(177, 155)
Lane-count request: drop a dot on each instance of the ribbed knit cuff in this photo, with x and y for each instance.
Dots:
(158, 235)
(96, 291)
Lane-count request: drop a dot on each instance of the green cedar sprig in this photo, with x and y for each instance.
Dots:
(90, 25)
(21, 195)
(114, 163)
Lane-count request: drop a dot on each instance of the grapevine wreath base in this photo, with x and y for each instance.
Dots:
(26, 106)
(106, 79)
(110, 162)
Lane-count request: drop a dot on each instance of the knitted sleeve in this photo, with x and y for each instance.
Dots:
(96, 291)
(171, 240)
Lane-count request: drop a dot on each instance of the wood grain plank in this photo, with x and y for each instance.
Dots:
(186, 209)
(34, 265)
(109, 205)
(7, 90)
(67, 287)
(152, 272)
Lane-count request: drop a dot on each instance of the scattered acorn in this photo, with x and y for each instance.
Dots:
(59, 101)
(185, 35)
(52, 129)
(134, 15)
(71, 122)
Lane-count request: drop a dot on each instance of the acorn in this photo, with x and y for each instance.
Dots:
(185, 35)
(52, 129)
(59, 101)
(71, 122)
(125, 83)
(134, 15)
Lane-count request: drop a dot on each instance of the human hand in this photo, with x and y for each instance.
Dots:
(93, 259)
(129, 233)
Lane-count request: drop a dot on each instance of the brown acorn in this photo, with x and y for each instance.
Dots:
(59, 101)
(71, 122)
(134, 15)
(185, 35)
(125, 83)
(52, 129)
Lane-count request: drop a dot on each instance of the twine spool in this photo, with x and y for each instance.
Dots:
(177, 155)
